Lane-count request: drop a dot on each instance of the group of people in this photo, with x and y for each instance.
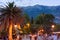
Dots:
(48, 37)
(42, 37)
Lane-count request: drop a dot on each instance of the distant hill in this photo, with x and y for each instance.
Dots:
(38, 9)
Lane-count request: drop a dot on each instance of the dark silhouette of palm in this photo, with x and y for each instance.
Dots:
(10, 15)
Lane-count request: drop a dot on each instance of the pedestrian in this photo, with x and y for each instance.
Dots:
(49, 37)
(54, 36)
(58, 36)
(40, 37)
(33, 37)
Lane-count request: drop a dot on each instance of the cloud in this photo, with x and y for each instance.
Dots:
(33, 2)
(40, 2)
(58, 17)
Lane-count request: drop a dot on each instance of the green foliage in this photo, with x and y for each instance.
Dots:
(3, 33)
(45, 20)
(57, 27)
(27, 18)
(32, 20)
(34, 28)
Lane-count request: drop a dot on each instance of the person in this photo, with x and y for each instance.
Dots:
(45, 36)
(25, 37)
(49, 37)
(33, 36)
(4, 38)
(17, 37)
(40, 37)
(54, 36)
(58, 36)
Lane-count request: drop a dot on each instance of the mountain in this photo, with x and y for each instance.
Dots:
(35, 10)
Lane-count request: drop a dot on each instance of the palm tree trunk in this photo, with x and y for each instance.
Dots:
(10, 31)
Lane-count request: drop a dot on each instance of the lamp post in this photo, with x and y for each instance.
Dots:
(28, 25)
(17, 32)
(53, 27)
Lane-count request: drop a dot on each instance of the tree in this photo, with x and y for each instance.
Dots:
(57, 27)
(3, 34)
(45, 21)
(33, 27)
(27, 18)
(26, 23)
(10, 15)
(32, 20)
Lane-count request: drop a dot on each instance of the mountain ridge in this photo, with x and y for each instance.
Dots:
(35, 10)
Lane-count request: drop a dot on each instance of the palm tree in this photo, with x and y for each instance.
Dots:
(45, 20)
(10, 15)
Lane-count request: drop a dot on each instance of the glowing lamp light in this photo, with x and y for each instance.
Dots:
(15, 26)
(53, 26)
(28, 24)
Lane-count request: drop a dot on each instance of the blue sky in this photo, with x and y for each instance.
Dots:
(32, 2)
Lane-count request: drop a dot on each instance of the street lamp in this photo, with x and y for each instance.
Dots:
(15, 26)
(28, 24)
(17, 32)
(53, 26)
